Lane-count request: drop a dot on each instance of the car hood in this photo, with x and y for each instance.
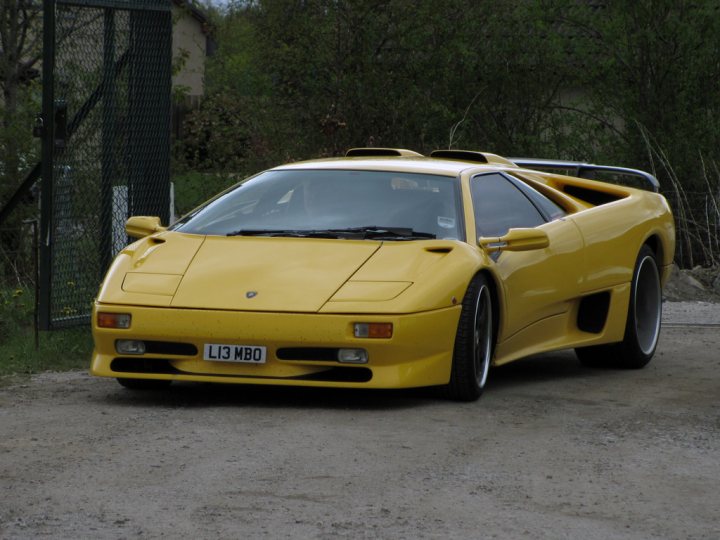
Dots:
(269, 274)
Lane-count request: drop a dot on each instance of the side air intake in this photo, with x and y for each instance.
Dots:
(593, 312)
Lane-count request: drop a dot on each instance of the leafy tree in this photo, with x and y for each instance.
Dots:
(651, 67)
(20, 38)
(391, 72)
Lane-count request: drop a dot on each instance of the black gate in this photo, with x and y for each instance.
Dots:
(106, 141)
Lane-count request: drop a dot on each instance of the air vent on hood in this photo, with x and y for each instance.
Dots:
(439, 249)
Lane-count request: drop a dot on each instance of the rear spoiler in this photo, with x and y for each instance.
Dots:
(585, 170)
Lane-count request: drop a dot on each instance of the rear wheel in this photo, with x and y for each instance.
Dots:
(473, 343)
(143, 384)
(642, 329)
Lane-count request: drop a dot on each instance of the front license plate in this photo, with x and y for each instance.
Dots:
(245, 354)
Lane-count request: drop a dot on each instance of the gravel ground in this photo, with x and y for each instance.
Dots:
(552, 450)
(691, 313)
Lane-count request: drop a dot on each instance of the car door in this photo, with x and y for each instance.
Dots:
(537, 284)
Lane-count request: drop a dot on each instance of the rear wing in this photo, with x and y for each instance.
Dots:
(586, 170)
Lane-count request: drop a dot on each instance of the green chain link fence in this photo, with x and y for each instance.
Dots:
(109, 148)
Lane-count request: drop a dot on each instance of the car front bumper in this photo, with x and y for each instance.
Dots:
(418, 354)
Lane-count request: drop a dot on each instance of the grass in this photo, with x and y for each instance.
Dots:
(60, 350)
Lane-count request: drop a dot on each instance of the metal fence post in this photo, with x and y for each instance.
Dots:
(48, 148)
(108, 141)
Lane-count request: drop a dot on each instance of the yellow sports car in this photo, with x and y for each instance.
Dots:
(389, 269)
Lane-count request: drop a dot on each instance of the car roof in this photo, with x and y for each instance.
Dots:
(419, 165)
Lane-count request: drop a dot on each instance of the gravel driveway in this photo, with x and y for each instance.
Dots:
(552, 450)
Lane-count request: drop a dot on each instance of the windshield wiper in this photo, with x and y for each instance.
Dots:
(293, 233)
(359, 233)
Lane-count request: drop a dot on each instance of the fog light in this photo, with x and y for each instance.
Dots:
(113, 320)
(130, 346)
(373, 330)
(352, 356)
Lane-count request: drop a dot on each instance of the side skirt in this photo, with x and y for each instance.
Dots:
(589, 321)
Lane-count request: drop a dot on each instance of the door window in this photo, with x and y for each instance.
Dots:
(500, 206)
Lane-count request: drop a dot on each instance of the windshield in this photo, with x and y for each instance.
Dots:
(333, 204)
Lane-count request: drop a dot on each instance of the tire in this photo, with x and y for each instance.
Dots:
(642, 329)
(473, 343)
(143, 384)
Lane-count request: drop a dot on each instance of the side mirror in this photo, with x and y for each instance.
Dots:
(142, 226)
(516, 240)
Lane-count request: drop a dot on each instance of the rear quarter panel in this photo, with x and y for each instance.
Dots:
(614, 233)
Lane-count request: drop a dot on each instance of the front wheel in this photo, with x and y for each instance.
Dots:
(473, 343)
(642, 329)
